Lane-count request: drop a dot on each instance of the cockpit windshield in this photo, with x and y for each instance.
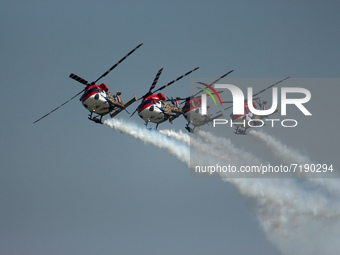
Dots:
(193, 103)
(92, 90)
(146, 102)
(87, 93)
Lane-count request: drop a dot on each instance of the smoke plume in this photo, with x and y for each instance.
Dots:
(297, 218)
(287, 155)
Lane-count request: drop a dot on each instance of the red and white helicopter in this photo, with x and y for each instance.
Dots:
(97, 99)
(192, 110)
(242, 121)
(154, 107)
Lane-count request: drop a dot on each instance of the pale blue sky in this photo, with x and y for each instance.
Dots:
(69, 186)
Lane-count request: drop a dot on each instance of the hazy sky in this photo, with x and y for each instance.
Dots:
(70, 186)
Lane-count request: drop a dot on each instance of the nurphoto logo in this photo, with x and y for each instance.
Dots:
(246, 115)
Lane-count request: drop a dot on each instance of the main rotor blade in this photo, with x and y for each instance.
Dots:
(156, 79)
(270, 86)
(166, 85)
(152, 85)
(59, 106)
(79, 79)
(191, 97)
(115, 65)
(224, 75)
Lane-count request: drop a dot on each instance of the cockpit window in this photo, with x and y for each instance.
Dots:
(88, 92)
(145, 103)
(92, 90)
(195, 103)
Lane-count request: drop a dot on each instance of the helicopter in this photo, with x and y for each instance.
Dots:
(97, 99)
(192, 110)
(154, 107)
(241, 121)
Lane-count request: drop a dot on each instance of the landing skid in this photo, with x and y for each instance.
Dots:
(240, 131)
(146, 126)
(190, 130)
(96, 119)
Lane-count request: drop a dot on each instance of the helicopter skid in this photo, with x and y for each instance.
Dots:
(96, 120)
(189, 129)
(240, 132)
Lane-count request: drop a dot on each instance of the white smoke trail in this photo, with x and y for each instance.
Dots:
(290, 156)
(225, 146)
(282, 219)
(180, 151)
(225, 152)
(219, 148)
(279, 150)
(296, 220)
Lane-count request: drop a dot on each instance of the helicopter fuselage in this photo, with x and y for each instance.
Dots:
(155, 109)
(192, 112)
(96, 99)
(247, 120)
(151, 109)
